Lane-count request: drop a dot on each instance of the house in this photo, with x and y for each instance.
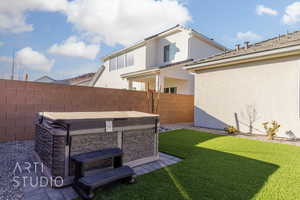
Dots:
(156, 63)
(251, 85)
(81, 80)
(45, 79)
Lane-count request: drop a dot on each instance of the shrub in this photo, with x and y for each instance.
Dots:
(271, 129)
(230, 129)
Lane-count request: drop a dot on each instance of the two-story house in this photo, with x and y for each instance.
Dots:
(157, 62)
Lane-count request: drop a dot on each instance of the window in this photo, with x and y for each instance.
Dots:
(129, 59)
(167, 53)
(171, 90)
(121, 61)
(112, 64)
(125, 60)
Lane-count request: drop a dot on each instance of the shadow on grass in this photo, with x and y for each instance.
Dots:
(203, 174)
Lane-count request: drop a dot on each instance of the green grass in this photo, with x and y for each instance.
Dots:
(217, 167)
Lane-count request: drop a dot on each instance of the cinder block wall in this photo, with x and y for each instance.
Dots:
(20, 101)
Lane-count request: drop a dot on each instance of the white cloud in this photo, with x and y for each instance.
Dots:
(261, 10)
(292, 14)
(109, 21)
(123, 22)
(5, 59)
(248, 36)
(33, 60)
(12, 12)
(75, 48)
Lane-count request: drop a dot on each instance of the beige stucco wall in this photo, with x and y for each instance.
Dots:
(269, 87)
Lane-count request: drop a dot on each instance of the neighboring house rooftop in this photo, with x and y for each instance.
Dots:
(97, 76)
(257, 49)
(80, 78)
(178, 27)
(70, 81)
(45, 78)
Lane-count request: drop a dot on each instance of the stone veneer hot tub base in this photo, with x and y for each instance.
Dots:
(61, 135)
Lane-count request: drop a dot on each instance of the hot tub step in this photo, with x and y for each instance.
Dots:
(97, 155)
(86, 185)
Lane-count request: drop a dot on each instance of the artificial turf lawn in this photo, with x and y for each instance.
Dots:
(217, 167)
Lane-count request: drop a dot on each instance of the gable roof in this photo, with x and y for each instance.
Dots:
(69, 81)
(254, 50)
(171, 30)
(44, 78)
(80, 78)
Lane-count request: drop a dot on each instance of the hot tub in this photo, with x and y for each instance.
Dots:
(60, 135)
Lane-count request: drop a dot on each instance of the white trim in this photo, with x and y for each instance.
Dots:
(227, 61)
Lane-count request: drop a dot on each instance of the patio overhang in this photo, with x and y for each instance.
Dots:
(141, 74)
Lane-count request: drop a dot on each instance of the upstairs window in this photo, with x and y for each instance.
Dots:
(167, 53)
(125, 60)
(121, 61)
(129, 59)
(113, 64)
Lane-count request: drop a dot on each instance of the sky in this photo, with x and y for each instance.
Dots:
(66, 38)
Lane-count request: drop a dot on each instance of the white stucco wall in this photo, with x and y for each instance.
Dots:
(178, 72)
(199, 49)
(151, 53)
(151, 56)
(112, 79)
(180, 40)
(271, 87)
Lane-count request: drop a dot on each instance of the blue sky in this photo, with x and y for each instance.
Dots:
(67, 38)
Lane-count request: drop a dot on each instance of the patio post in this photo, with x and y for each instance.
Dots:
(130, 87)
(159, 83)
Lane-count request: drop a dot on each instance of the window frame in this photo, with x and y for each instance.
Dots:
(132, 57)
(111, 62)
(168, 90)
(166, 53)
(119, 61)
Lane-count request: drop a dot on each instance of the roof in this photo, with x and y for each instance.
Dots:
(153, 70)
(80, 78)
(44, 77)
(97, 75)
(167, 31)
(69, 81)
(279, 42)
(176, 63)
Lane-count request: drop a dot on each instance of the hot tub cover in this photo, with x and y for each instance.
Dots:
(72, 116)
(72, 121)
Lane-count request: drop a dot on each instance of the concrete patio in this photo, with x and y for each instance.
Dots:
(21, 152)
